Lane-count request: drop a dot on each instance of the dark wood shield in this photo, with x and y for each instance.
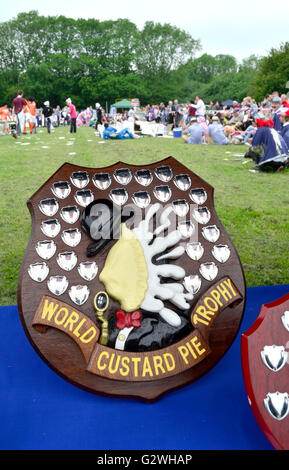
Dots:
(194, 288)
(264, 349)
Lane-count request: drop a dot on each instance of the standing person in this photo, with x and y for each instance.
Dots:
(47, 113)
(170, 113)
(73, 115)
(202, 121)
(18, 105)
(5, 116)
(58, 114)
(191, 112)
(64, 115)
(31, 114)
(98, 115)
(25, 111)
(180, 117)
(200, 106)
(88, 114)
(39, 117)
(177, 115)
(163, 113)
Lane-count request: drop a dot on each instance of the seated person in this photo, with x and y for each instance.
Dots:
(269, 148)
(194, 132)
(235, 118)
(111, 133)
(250, 132)
(229, 129)
(276, 109)
(234, 133)
(216, 132)
(237, 136)
(284, 118)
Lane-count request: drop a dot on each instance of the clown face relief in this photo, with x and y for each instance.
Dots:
(130, 286)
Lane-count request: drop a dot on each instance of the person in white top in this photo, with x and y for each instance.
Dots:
(200, 106)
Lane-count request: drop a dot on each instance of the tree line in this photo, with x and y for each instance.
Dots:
(89, 60)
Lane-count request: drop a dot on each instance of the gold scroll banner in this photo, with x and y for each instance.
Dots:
(75, 324)
(151, 365)
(222, 294)
(139, 366)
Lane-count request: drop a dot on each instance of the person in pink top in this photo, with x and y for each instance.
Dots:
(88, 114)
(73, 115)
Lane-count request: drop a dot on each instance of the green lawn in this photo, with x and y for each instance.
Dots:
(252, 207)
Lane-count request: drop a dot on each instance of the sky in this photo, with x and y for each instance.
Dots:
(223, 26)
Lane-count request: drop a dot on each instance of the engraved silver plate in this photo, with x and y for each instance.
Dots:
(198, 195)
(164, 173)
(70, 214)
(277, 405)
(38, 271)
(202, 215)
(67, 260)
(50, 227)
(141, 199)
(162, 193)
(88, 270)
(61, 189)
(80, 179)
(84, 197)
(144, 177)
(45, 249)
(192, 283)
(101, 180)
(186, 228)
(285, 320)
(209, 271)
(79, 294)
(71, 236)
(195, 250)
(221, 253)
(49, 206)
(274, 357)
(119, 196)
(211, 233)
(183, 182)
(57, 284)
(180, 207)
(122, 175)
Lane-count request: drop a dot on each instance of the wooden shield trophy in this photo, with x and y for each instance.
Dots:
(130, 286)
(265, 368)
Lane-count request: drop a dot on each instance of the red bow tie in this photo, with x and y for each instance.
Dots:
(126, 320)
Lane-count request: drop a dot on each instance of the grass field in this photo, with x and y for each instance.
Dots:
(252, 207)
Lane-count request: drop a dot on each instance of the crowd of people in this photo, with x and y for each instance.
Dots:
(27, 117)
(264, 127)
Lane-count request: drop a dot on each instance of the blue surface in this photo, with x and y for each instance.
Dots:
(41, 411)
